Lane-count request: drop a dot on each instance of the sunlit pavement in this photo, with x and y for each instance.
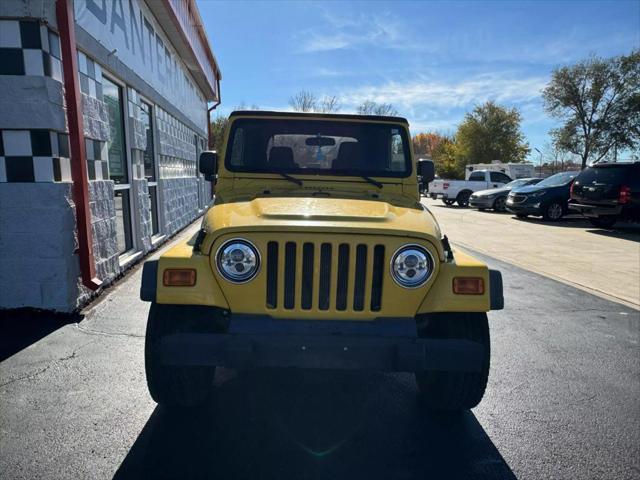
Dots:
(562, 402)
(603, 262)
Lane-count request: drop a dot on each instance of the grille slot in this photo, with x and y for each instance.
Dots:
(360, 278)
(307, 276)
(289, 275)
(272, 275)
(324, 295)
(378, 274)
(343, 277)
(324, 276)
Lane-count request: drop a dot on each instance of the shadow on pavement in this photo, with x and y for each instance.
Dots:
(313, 424)
(22, 327)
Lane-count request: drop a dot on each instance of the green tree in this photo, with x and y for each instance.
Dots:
(599, 102)
(218, 127)
(490, 132)
(445, 159)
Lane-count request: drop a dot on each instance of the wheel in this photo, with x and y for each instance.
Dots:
(603, 222)
(463, 198)
(521, 215)
(455, 390)
(553, 211)
(500, 205)
(448, 202)
(169, 385)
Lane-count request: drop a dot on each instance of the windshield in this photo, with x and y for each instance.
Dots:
(318, 148)
(558, 179)
(516, 183)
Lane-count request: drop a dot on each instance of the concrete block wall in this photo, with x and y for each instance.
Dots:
(142, 207)
(180, 202)
(103, 229)
(38, 264)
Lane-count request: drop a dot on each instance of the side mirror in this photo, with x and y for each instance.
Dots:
(426, 171)
(209, 164)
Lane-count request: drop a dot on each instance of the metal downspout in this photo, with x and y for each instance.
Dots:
(66, 27)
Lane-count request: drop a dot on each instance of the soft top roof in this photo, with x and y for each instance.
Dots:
(311, 115)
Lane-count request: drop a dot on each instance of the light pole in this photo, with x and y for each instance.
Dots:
(536, 149)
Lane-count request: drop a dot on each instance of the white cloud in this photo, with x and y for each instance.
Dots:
(503, 87)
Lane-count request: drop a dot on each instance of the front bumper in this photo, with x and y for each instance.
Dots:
(379, 345)
(481, 202)
(529, 207)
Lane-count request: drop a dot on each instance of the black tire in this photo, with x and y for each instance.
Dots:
(173, 386)
(522, 215)
(553, 211)
(463, 198)
(604, 222)
(448, 202)
(500, 204)
(455, 390)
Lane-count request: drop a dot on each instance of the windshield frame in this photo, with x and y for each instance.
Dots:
(321, 173)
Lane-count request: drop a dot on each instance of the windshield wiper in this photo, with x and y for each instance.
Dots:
(295, 180)
(373, 182)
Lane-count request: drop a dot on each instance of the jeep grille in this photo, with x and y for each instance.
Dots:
(326, 276)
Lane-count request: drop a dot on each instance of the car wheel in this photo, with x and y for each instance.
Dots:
(443, 390)
(500, 205)
(553, 211)
(463, 199)
(604, 222)
(172, 386)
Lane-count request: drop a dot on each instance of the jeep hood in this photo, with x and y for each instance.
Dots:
(328, 215)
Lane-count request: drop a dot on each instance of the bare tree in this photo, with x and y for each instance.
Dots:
(304, 101)
(370, 107)
(329, 104)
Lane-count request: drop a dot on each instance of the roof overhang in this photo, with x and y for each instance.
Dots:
(181, 21)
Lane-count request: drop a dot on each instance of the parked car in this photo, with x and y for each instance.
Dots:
(496, 198)
(548, 199)
(451, 191)
(359, 277)
(608, 192)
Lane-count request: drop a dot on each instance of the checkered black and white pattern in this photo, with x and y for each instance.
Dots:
(90, 76)
(28, 47)
(97, 159)
(34, 156)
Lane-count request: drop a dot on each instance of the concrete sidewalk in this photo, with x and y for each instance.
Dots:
(601, 262)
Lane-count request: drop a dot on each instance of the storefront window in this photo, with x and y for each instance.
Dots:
(117, 158)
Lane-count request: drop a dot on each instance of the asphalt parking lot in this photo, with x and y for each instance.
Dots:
(562, 402)
(602, 262)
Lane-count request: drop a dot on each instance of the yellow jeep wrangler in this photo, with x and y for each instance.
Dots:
(317, 253)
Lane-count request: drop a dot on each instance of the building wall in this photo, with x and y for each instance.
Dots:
(38, 235)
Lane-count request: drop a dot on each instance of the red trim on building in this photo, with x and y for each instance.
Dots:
(66, 28)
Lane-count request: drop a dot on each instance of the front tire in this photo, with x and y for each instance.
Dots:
(463, 198)
(172, 386)
(553, 212)
(455, 390)
(500, 205)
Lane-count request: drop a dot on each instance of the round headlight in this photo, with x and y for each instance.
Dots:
(411, 266)
(238, 260)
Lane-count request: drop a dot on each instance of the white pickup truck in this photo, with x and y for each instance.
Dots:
(452, 191)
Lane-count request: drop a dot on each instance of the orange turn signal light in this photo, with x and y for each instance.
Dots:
(468, 285)
(179, 277)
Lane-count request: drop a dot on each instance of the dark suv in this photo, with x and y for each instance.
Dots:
(608, 192)
(548, 199)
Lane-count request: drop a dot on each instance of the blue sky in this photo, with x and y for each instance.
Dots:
(432, 60)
